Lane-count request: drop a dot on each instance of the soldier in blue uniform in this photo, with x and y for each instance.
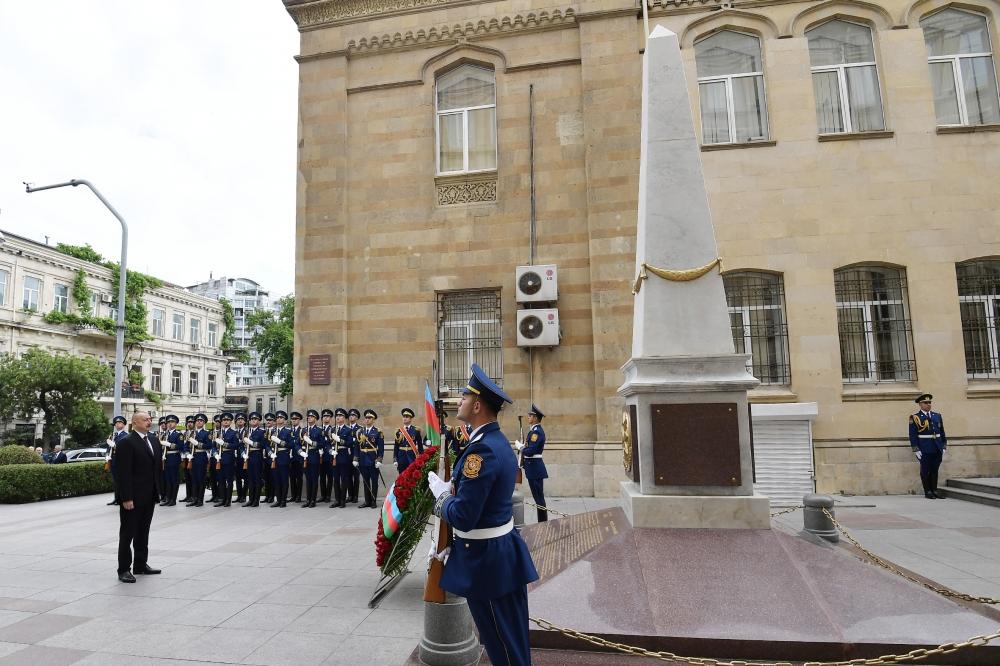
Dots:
(343, 440)
(532, 462)
(239, 472)
(254, 441)
(269, 468)
(928, 442)
(283, 441)
(161, 465)
(409, 442)
(327, 454)
(172, 443)
(312, 444)
(201, 449)
(489, 562)
(214, 467)
(353, 415)
(229, 450)
(118, 433)
(369, 447)
(186, 453)
(298, 456)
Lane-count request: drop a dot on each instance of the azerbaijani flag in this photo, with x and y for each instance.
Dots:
(391, 515)
(433, 426)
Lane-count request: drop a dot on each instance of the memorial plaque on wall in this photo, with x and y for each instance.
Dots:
(319, 369)
(696, 444)
(630, 443)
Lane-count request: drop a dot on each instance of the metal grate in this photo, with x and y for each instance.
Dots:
(979, 305)
(468, 332)
(873, 324)
(757, 315)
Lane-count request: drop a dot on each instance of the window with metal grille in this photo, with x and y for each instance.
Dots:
(873, 323)
(468, 332)
(757, 315)
(979, 305)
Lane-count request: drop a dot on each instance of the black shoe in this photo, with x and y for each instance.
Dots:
(936, 496)
(126, 577)
(930, 495)
(171, 503)
(146, 571)
(198, 503)
(282, 505)
(276, 505)
(113, 503)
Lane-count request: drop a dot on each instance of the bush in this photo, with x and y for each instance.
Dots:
(15, 454)
(30, 483)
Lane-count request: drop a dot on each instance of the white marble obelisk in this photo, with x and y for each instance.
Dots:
(688, 386)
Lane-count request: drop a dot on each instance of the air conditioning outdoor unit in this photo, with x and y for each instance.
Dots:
(195, 346)
(536, 284)
(538, 328)
(105, 298)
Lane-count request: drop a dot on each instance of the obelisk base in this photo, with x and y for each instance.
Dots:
(746, 512)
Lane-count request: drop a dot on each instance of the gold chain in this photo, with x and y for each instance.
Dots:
(889, 567)
(784, 511)
(545, 508)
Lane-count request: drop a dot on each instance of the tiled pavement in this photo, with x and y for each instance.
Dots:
(291, 586)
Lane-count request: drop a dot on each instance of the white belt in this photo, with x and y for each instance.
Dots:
(926, 436)
(486, 532)
(533, 457)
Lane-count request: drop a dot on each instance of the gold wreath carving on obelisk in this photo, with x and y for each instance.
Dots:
(626, 441)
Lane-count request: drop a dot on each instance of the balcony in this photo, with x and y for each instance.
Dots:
(130, 396)
(92, 332)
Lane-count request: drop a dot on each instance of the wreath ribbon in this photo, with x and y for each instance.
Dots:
(672, 275)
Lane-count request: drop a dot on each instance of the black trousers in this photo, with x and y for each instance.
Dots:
(929, 464)
(537, 487)
(134, 532)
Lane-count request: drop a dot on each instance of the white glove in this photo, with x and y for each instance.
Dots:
(918, 454)
(335, 437)
(518, 444)
(192, 441)
(218, 440)
(307, 440)
(248, 441)
(434, 555)
(303, 453)
(110, 442)
(437, 485)
(275, 439)
(356, 463)
(244, 455)
(378, 464)
(942, 452)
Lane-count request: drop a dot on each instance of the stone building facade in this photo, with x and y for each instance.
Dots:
(850, 151)
(182, 362)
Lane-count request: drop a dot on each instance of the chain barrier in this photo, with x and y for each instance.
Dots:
(889, 567)
(545, 508)
(784, 511)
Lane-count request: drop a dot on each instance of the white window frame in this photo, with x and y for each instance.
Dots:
(845, 101)
(730, 109)
(212, 335)
(25, 300)
(211, 384)
(158, 323)
(156, 378)
(193, 382)
(4, 281)
(956, 67)
(176, 381)
(177, 328)
(60, 302)
(464, 111)
(194, 326)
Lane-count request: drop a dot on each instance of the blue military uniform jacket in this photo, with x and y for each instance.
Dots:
(345, 447)
(174, 446)
(369, 446)
(484, 482)
(205, 444)
(534, 467)
(283, 451)
(927, 433)
(315, 433)
(231, 447)
(258, 436)
(402, 451)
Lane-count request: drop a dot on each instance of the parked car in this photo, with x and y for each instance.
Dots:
(85, 455)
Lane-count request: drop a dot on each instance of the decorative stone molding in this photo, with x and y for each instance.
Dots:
(466, 189)
(674, 4)
(458, 32)
(313, 14)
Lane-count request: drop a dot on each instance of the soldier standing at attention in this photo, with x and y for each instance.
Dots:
(353, 415)
(269, 458)
(409, 442)
(186, 453)
(254, 440)
(295, 468)
(312, 444)
(282, 439)
(368, 450)
(928, 441)
(534, 466)
(201, 446)
(119, 433)
(161, 436)
(239, 472)
(230, 448)
(343, 438)
(326, 458)
(172, 443)
(489, 562)
(213, 473)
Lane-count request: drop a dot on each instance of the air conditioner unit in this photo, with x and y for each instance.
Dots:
(195, 346)
(538, 328)
(536, 284)
(105, 298)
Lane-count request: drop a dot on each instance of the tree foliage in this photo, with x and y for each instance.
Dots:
(274, 341)
(88, 425)
(15, 454)
(228, 343)
(83, 252)
(58, 385)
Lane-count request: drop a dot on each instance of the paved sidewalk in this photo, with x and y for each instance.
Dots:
(291, 586)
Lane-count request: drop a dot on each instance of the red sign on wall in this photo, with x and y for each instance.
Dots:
(319, 369)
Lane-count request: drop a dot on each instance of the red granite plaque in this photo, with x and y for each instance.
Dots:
(696, 444)
(319, 369)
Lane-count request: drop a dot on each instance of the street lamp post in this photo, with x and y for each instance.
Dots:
(122, 276)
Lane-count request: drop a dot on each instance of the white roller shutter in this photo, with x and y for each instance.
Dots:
(783, 460)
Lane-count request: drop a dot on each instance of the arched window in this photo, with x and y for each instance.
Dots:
(873, 323)
(731, 88)
(979, 305)
(757, 315)
(961, 61)
(845, 78)
(465, 100)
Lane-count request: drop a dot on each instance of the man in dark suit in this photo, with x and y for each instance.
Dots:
(138, 455)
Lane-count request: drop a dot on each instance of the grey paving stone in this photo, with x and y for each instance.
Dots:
(241, 591)
(293, 649)
(328, 620)
(227, 645)
(37, 628)
(9, 617)
(10, 648)
(356, 650)
(273, 617)
(396, 623)
(298, 595)
(37, 655)
(346, 597)
(204, 613)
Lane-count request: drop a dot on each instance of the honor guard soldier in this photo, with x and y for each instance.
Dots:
(928, 442)
(118, 433)
(298, 456)
(409, 442)
(283, 441)
(369, 448)
(343, 441)
(352, 417)
(172, 442)
(201, 448)
(489, 562)
(161, 437)
(187, 453)
(312, 444)
(253, 461)
(269, 459)
(531, 460)
(240, 473)
(327, 454)
(230, 451)
(213, 467)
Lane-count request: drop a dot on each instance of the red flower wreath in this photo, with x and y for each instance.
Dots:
(412, 481)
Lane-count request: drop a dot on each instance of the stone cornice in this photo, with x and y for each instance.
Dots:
(482, 29)
(322, 13)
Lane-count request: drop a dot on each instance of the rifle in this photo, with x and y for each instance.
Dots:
(274, 451)
(432, 588)
(520, 454)
(111, 449)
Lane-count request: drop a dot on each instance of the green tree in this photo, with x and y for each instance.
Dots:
(88, 425)
(274, 340)
(58, 385)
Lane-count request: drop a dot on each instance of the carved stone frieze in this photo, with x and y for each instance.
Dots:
(330, 11)
(452, 190)
(495, 26)
(672, 4)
